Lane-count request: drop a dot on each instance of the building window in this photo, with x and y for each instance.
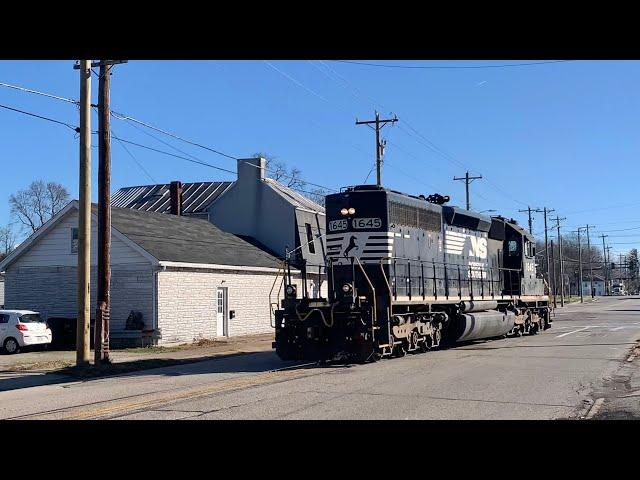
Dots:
(220, 301)
(310, 240)
(74, 240)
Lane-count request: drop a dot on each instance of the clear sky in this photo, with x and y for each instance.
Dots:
(561, 135)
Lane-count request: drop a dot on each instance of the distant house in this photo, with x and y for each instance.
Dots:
(185, 277)
(598, 285)
(259, 209)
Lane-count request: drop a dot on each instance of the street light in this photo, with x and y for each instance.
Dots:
(483, 211)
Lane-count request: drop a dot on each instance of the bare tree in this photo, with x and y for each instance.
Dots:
(35, 205)
(7, 239)
(280, 172)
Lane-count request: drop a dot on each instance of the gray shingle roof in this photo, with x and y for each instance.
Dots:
(182, 239)
(196, 197)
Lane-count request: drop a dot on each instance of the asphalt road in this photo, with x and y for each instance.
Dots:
(577, 369)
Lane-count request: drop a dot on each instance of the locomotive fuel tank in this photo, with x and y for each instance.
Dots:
(478, 305)
(478, 325)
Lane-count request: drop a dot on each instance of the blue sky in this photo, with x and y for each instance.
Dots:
(561, 135)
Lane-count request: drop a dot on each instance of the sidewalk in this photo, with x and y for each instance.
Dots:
(132, 359)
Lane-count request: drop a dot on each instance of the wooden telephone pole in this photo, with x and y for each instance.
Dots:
(379, 145)
(103, 307)
(558, 220)
(83, 336)
(467, 180)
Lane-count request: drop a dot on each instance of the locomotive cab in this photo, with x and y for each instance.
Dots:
(519, 262)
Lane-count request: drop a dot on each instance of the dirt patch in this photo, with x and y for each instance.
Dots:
(51, 365)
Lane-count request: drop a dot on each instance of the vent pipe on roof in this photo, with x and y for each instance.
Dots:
(175, 193)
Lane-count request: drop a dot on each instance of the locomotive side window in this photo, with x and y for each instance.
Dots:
(310, 240)
(529, 249)
(513, 248)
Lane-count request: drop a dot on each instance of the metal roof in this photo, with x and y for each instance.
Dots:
(293, 197)
(196, 197)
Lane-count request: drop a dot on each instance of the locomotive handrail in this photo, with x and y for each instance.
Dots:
(271, 313)
(374, 322)
(486, 274)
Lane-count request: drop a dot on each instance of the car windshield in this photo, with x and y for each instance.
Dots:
(30, 318)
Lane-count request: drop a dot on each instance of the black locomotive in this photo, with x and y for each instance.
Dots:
(407, 273)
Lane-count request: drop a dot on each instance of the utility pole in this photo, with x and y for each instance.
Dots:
(546, 242)
(580, 263)
(590, 258)
(558, 220)
(555, 283)
(605, 264)
(609, 269)
(103, 309)
(379, 124)
(467, 180)
(531, 210)
(83, 331)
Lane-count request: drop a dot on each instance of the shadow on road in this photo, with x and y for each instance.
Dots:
(234, 363)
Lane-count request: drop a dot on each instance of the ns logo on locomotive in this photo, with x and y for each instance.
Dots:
(408, 274)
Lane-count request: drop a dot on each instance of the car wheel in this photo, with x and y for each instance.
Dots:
(11, 346)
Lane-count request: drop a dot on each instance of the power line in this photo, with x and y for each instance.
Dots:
(36, 92)
(174, 155)
(68, 125)
(417, 135)
(447, 67)
(130, 119)
(126, 117)
(144, 170)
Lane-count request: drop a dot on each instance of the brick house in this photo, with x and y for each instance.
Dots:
(185, 277)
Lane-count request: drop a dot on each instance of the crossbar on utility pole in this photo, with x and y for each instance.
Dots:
(530, 210)
(467, 181)
(379, 124)
(83, 337)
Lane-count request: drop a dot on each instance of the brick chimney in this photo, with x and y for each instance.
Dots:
(175, 193)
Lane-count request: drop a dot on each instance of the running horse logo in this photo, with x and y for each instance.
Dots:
(352, 245)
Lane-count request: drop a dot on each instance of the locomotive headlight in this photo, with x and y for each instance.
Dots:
(346, 288)
(351, 211)
(344, 211)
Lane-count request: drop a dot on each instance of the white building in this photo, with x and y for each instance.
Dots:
(187, 278)
(598, 285)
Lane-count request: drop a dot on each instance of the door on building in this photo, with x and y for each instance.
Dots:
(222, 324)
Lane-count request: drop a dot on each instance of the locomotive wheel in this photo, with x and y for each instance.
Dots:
(543, 324)
(425, 345)
(437, 337)
(414, 340)
(400, 350)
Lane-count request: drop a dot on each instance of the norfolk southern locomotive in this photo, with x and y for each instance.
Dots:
(409, 273)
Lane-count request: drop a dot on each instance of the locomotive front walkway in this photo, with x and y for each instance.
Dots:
(585, 366)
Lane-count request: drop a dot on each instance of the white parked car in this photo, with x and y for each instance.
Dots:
(22, 328)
